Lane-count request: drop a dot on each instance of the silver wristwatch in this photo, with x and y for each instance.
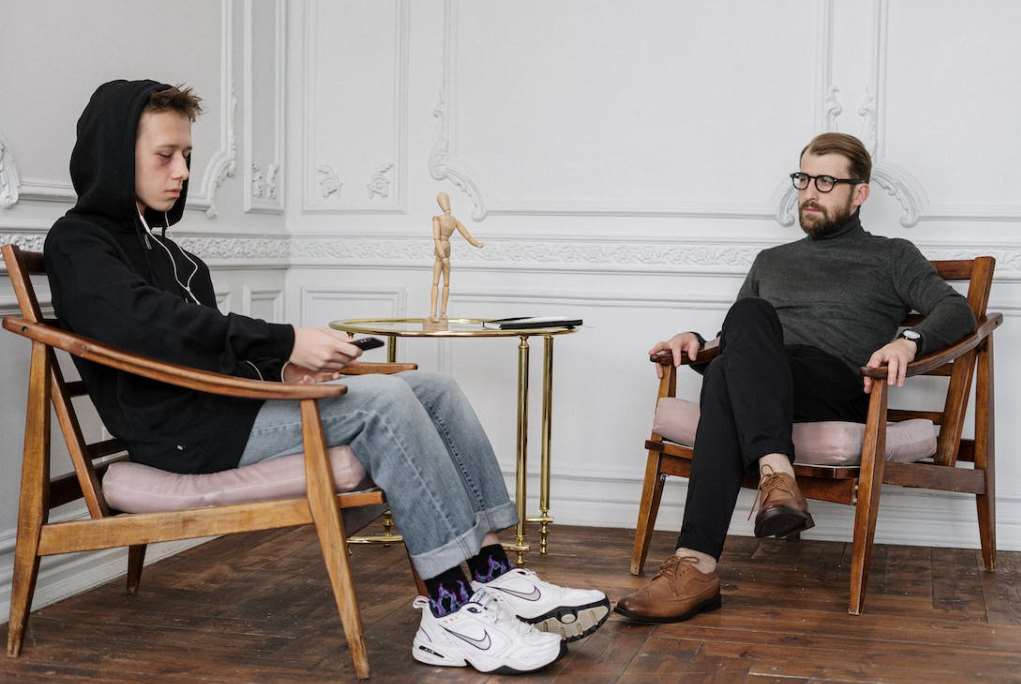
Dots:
(913, 335)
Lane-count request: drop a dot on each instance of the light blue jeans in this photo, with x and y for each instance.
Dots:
(422, 444)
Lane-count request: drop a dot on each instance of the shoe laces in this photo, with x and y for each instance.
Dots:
(671, 566)
(769, 480)
(496, 613)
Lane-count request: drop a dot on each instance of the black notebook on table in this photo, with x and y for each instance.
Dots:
(525, 322)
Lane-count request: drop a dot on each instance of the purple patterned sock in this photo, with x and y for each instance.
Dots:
(448, 591)
(491, 562)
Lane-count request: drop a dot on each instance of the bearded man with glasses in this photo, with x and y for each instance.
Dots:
(809, 314)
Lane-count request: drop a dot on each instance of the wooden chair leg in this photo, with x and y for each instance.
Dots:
(652, 492)
(985, 455)
(33, 506)
(136, 560)
(323, 505)
(870, 482)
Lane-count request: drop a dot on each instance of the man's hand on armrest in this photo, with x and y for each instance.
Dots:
(896, 356)
(689, 343)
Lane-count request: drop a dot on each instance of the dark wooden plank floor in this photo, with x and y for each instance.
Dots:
(256, 608)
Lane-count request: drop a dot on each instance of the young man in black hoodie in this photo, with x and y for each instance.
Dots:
(113, 279)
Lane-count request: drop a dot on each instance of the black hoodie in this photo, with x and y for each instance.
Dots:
(112, 282)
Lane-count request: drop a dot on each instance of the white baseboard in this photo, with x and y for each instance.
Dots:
(908, 517)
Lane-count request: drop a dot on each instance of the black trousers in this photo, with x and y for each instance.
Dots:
(751, 394)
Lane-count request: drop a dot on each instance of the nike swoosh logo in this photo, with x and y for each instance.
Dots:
(481, 644)
(534, 595)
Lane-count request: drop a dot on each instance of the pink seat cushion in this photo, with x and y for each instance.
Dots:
(137, 488)
(831, 442)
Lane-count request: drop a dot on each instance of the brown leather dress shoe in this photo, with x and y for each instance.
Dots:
(678, 592)
(783, 511)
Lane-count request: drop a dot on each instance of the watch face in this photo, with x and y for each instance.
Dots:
(911, 335)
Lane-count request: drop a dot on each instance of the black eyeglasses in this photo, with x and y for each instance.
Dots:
(822, 183)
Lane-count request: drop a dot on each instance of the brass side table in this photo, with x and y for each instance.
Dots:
(392, 328)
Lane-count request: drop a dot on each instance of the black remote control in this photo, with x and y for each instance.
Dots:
(367, 343)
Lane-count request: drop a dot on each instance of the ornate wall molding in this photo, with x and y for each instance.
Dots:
(872, 122)
(8, 177)
(263, 184)
(832, 107)
(892, 178)
(632, 254)
(223, 165)
(395, 298)
(264, 187)
(329, 183)
(379, 184)
(220, 166)
(32, 242)
(637, 255)
(275, 297)
(903, 187)
(312, 202)
(237, 248)
(828, 106)
(501, 252)
(443, 163)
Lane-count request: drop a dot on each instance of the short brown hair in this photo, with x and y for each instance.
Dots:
(178, 99)
(847, 146)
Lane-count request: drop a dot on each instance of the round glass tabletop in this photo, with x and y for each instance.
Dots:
(423, 327)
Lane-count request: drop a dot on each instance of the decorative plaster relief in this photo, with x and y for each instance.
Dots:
(832, 107)
(902, 186)
(30, 242)
(264, 185)
(225, 166)
(8, 178)
(379, 184)
(441, 167)
(329, 184)
(407, 251)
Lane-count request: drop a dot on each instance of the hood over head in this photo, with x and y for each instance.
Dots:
(103, 160)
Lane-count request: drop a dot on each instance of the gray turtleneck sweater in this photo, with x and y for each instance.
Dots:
(848, 292)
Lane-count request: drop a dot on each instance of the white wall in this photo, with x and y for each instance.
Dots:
(52, 56)
(623, 162)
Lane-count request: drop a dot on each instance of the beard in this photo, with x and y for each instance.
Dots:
(825, 221)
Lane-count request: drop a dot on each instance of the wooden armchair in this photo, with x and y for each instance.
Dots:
(859, 486)
(107, 528)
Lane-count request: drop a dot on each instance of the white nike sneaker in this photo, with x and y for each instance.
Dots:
(484, 635)
(571, 613)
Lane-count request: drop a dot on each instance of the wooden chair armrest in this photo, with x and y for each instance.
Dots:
(369, 367)
(986, 326)
(709, 352)
(171, 373)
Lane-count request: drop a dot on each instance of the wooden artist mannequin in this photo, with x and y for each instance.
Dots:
(443, 228)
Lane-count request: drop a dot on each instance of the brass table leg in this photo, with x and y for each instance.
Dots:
(521, 494)
(386, 539)
(544, 518)
(391, 349)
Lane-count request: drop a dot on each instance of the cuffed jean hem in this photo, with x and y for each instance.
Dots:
(466, 545)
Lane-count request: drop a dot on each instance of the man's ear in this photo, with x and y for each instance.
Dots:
(861, 193)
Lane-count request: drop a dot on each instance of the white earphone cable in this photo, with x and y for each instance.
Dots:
(187, 287)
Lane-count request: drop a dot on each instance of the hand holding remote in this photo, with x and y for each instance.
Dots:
(367, 343)
(323, 349)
